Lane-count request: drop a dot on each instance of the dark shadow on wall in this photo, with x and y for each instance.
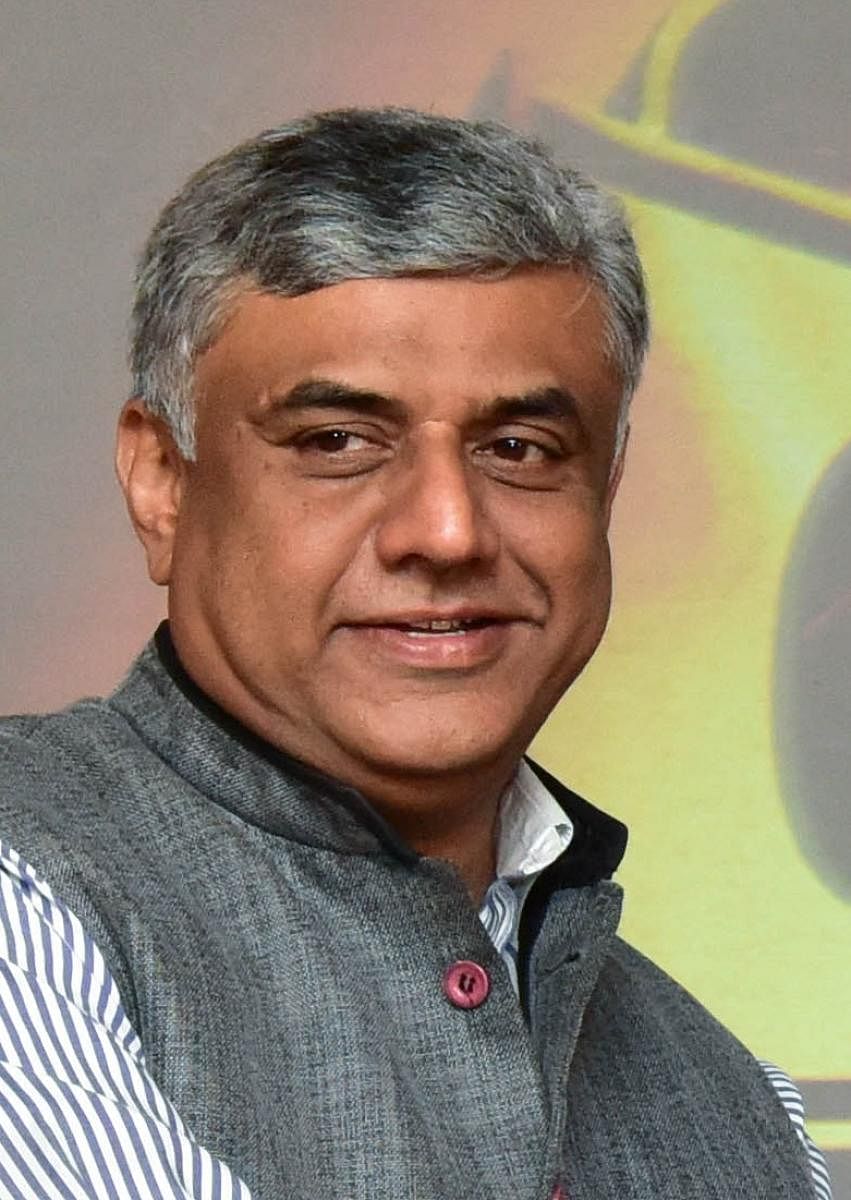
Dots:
(752, 130)
(812, 680)
(812, 722)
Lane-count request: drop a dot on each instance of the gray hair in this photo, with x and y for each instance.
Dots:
(360, 194)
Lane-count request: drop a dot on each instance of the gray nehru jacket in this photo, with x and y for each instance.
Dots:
(281, 954)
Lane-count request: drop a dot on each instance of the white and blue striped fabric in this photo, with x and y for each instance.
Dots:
(792, 1101)
(80, 1118)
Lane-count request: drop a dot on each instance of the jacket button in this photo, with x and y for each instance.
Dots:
(466, 984)
(558, 1193)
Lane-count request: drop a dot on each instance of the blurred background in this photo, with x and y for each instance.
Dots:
(715, 719)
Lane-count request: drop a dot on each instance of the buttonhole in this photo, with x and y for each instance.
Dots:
(560, 963)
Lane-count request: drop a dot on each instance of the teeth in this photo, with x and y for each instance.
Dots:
(440, 626)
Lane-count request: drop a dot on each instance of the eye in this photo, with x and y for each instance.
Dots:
(520, 450)
(334, 450)
(332, 441)
(537, 459)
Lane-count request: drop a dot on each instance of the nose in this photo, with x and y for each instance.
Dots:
(435, 511)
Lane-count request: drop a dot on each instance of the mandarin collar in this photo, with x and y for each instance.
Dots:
(266, 787)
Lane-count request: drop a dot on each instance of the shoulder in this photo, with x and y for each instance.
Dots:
(712, 1053)
(51, 769)
(672, 1024)
(671, 1004)
(57, 781)
(62, 758)
(86, 724)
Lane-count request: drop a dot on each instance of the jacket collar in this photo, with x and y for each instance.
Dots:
(267, 788)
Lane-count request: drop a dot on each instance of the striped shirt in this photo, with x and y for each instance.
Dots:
(81, 1118)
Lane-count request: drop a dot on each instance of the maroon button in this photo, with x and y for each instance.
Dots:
(558, 1193)
(466, 984)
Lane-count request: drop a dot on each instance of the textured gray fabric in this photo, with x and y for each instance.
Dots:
(280, 953)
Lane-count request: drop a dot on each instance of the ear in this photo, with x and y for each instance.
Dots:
(151, 472)
(615, 474)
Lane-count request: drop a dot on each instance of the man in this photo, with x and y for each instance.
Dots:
(290, 912)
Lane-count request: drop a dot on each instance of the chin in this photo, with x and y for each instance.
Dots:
(420, 746)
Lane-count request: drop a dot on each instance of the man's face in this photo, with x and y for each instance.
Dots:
(390, 556)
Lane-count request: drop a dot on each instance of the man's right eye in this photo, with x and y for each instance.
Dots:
(332, 441)
(337, 451)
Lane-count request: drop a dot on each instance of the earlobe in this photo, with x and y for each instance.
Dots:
(150, 470)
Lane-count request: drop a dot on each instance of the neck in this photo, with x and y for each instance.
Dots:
(449, 822)
(450, 816)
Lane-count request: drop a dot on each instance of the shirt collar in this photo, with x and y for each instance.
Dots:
(533, 828)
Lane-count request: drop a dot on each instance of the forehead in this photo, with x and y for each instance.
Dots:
(424, 339)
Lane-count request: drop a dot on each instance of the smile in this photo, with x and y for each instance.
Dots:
(441, 626)
(437, 643)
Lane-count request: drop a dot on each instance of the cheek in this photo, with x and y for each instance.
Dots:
(568, 551)
(583, 587)
(276, 566)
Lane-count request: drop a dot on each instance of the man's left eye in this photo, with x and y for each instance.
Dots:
(520, 450)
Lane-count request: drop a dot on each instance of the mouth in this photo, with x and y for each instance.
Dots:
(438, 642)
(453, 627)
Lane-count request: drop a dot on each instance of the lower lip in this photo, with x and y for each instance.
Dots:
(436, 651)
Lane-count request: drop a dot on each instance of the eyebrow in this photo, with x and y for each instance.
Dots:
(555, 403)
(329, 394)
